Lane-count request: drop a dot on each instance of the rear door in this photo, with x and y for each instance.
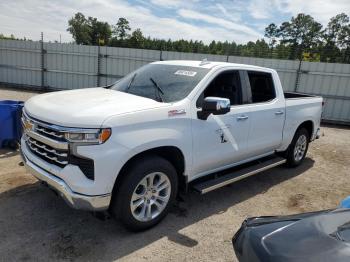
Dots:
(267, 113)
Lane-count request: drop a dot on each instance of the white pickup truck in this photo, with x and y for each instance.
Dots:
(129, 147)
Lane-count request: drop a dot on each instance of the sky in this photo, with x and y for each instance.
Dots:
(232, 20)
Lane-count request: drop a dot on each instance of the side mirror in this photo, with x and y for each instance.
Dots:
(215, 106)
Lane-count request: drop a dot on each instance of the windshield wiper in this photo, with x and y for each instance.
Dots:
(160, 91)
(131, 80)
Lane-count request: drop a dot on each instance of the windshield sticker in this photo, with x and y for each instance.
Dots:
(185, 73)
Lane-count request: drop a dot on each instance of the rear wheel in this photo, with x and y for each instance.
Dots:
(298, 148)
(146, 193)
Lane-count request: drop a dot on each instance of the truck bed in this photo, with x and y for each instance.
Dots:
(301, 107)
(290, 95)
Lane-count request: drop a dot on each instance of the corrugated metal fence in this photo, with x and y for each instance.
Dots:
(67, 66)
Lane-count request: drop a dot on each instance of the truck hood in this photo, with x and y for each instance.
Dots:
(85, 107)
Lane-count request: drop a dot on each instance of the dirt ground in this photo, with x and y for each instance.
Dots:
(37, 225)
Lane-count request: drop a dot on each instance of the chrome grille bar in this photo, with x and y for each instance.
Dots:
(42, 146)
(48, 141)
(45, 155)
(51, 133)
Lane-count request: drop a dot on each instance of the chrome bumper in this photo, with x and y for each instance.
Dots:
(75, 200)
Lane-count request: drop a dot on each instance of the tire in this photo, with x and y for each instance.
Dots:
(150, 206)
(297, 150)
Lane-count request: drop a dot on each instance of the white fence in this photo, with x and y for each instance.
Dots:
(68, 66)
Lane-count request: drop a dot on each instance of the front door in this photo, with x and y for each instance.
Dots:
(221, 140)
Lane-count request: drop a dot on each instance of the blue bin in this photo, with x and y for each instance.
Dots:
(10, 122)
(345, 203)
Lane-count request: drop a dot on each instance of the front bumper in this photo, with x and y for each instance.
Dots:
(75, 200)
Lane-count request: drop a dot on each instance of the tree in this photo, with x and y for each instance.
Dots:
(282, 51)
(344, 37)
(137, 39)
(100, 32)
(336, 31)
(300, 38)
(80, 30)
(89, 31)
(271, 32)
(302, 33)
(121, 29)
(12, 37)
(261, 49)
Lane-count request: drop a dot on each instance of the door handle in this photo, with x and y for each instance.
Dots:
(242, 118)
(279, 113)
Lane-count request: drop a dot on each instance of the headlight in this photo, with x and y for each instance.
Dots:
(89, 136)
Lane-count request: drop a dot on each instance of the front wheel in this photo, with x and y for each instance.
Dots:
(298, 148)
(146, 193)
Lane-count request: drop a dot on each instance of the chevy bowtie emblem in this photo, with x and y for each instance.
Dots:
(27, 125)
(176, 112)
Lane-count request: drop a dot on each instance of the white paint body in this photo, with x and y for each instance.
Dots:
(139, 124)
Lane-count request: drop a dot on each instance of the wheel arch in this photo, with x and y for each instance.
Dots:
(308, 125)
(171, 153)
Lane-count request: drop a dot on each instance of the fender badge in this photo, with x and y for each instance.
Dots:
(222, 135)
(177, 112)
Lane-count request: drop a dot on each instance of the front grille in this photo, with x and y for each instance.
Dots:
(45, 141)
(48, 132)
(49, 143)
(49, 154)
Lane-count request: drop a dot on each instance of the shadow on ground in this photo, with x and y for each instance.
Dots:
(40, 225)
(6, 153)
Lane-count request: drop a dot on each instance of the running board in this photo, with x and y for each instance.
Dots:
(226, 179)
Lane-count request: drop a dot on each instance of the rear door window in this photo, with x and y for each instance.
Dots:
(262, 87)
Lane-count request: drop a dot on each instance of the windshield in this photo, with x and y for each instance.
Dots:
(164, 83)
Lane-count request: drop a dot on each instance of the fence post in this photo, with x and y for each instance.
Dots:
(98, 65)
(161, 55)
(42, 63)
(297, 79)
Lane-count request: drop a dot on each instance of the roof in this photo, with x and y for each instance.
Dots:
(210, 64)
